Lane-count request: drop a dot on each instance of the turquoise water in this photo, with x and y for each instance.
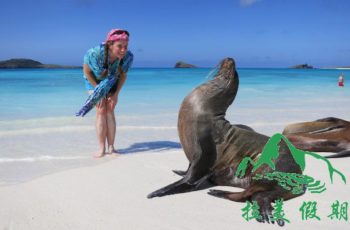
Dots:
(39, 93)
(39, 133)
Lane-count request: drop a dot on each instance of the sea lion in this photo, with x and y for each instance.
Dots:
(215, 148)
(324, 135)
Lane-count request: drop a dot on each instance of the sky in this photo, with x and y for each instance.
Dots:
(256, 33)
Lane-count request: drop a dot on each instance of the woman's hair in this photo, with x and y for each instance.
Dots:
(105, 58)
(105, 61)
(120, 69)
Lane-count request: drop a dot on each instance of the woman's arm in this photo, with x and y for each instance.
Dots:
(121, 81)
(123, 69)
(112, 99)
(89, 75)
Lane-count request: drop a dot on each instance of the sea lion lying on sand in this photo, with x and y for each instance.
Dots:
(323, 135)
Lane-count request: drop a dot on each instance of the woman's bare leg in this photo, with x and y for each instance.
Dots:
(101, 127)
(111, 123)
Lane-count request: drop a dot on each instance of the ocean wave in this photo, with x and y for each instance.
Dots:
(44, 130)
(48, 120)
(64, 129)
(41, 158)
(72, 120)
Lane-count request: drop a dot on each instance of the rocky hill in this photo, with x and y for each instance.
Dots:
(302, 66)
(29, 63)
(181, 64)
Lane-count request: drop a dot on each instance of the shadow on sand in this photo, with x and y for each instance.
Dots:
(150, 146)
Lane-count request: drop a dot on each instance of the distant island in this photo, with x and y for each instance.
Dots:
(302, 66)
(181, 64)
(29, 63)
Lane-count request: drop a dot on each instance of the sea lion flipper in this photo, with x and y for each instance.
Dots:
(345, 153)
(182, 186)
(176, 187)
(233, 196)
(330, 119)
(246, 127)
(180, 172)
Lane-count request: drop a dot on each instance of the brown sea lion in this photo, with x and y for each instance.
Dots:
(323, 135)
(214, 147)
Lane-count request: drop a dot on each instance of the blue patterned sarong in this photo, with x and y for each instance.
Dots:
(100, 91)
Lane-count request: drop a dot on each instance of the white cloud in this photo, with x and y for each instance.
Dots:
(248, 2)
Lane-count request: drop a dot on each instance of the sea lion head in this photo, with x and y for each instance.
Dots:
(216, 95)
(228, 81)
(227, 69)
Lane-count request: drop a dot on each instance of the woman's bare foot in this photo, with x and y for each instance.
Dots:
(111, 150)
(99, 154)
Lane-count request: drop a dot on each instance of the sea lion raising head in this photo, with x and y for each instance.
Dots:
(215, 148)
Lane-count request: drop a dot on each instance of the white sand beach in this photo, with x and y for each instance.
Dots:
(110, 193)
(113, 196)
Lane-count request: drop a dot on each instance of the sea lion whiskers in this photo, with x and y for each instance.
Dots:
(209, 75)
(220, 66)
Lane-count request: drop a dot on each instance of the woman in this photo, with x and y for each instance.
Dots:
(110, 59)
